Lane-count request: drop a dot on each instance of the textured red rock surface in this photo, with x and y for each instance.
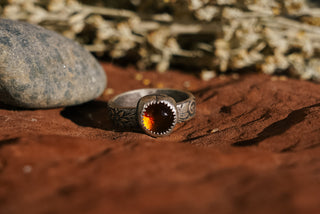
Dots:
(253, 147)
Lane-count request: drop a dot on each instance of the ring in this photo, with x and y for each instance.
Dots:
(155, 111)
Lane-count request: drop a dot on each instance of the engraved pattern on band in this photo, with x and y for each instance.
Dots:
(123, 107)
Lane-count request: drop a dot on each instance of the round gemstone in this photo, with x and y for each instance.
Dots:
(158, 117)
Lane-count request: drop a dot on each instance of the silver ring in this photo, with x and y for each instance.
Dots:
(155, 111)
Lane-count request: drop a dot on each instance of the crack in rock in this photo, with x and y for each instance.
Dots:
(9, 141)
(98, 155)
(279, 127)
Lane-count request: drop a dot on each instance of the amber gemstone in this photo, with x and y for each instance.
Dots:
(158, 117)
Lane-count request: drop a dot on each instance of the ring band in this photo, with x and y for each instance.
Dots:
(155, 111)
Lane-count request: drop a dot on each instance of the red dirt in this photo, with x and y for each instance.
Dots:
(253, 147)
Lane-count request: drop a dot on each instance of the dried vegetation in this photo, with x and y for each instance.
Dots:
(272, 36)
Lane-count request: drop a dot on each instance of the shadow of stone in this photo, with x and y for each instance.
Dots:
(92, 114)
(14, 108)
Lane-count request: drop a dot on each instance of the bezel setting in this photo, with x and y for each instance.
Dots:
(161, 109)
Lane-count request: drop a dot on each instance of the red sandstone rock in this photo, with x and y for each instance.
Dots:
(253, 147)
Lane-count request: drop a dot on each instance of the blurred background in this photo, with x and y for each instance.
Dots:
(210, 37)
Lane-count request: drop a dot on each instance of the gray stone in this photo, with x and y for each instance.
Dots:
(42, 69)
